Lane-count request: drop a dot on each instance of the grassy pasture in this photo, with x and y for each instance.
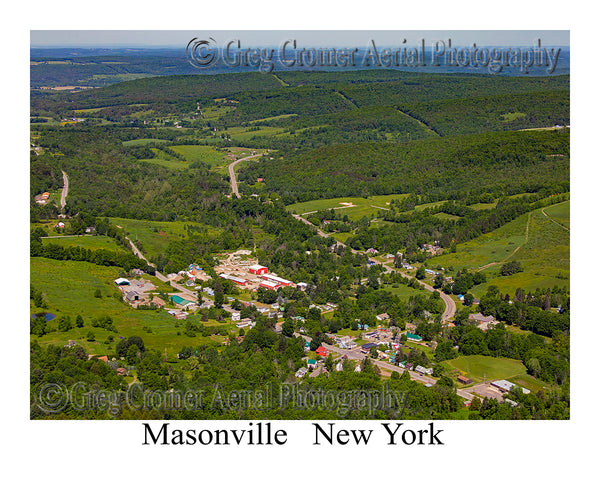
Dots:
(403, 291)
(533, 239)
(560, 212)
(91, 242)
(494, 246)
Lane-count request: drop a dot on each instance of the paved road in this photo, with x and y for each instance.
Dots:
(450, 309)
(356, 354)
(234, 187)
(65, 191)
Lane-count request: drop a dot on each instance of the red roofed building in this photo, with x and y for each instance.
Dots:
(258, 270)
(269, 285)
(322, 351)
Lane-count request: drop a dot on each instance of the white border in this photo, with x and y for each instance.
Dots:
(490, 449)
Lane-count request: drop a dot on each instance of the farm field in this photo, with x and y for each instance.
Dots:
(74, 295)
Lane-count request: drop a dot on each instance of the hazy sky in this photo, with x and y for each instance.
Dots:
(178, 38)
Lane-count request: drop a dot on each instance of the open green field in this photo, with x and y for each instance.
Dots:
(534, 239)
(361, 206)
(494, 246)
(165, 160)
(155, 236)
(403, 291)
(91, 242)
(203, 153)
(246, 133)
(69, 288)
(342, 237)
(561, 213)
(494, 368)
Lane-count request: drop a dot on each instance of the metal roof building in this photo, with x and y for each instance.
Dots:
(274, 278)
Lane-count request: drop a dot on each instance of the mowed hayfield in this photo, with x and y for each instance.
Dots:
(354, 207)
(69, 289)
(540, 243)
(494, 368)
(155, 236)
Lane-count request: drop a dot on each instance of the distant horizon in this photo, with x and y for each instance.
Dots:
(175, 47)
(156, 39)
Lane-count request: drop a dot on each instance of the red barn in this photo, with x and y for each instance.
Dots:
(258, 270)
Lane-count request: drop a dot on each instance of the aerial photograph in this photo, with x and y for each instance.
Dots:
(299, 225)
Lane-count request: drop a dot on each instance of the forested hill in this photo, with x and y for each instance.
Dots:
(361, 88)
(442, 168)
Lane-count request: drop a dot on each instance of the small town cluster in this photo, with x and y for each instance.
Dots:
(378, 343)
